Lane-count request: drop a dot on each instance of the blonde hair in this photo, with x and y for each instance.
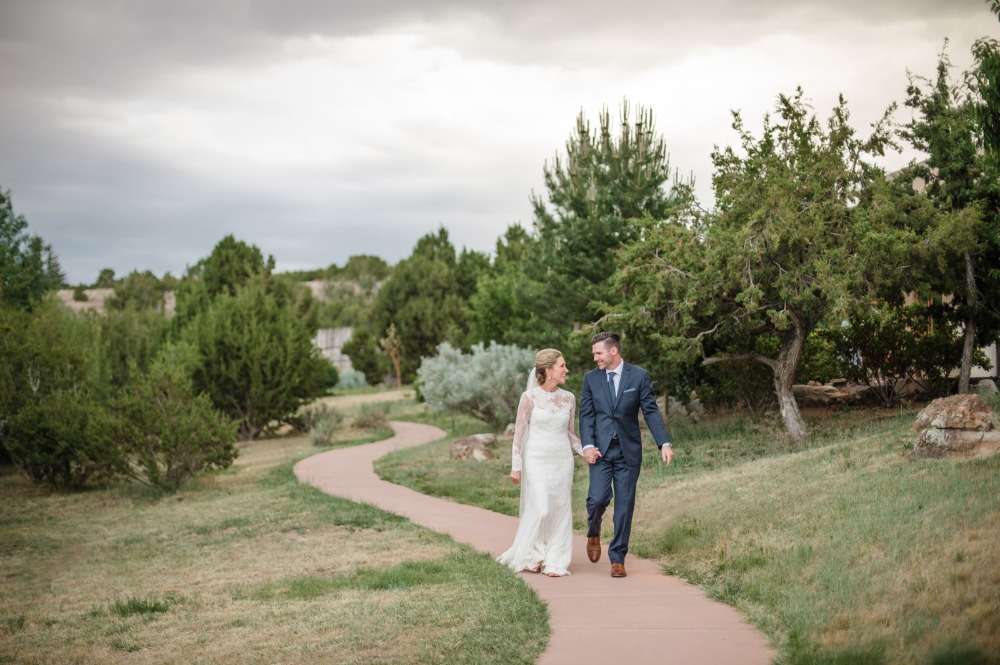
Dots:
(545, 359)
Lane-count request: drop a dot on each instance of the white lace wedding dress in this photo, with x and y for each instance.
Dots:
(544, 442)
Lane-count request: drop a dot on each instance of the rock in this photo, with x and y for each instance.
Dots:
(957, 426)
(909, 389)
(934, 442)
(675, 409)
(957, 412)
(986, 388)
(810, 395)
(477, 447)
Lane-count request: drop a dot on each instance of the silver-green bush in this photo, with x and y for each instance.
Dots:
(486, 384)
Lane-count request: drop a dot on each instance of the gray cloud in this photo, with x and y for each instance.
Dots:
(136, 135)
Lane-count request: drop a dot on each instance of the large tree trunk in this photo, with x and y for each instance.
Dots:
(965, 375)
(784, 378)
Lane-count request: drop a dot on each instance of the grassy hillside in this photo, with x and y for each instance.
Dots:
(844, 551)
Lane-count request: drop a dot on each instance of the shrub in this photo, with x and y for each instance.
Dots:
(256, 359)
(330, 377)
(743, 382)
(324, 429)
(371, 417)
(169, 433)
(883, 344)
(62, 440)
(53, 397)
(820, 358)
(486, 384)
(351, 379)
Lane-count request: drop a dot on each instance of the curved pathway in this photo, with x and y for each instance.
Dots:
(646, 617)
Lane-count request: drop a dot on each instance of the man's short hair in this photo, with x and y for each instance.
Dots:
(609, 338)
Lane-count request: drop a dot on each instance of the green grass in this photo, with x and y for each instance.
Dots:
(141, 606)
(250, 566)
(844, 549)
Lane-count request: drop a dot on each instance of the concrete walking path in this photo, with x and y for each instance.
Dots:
(646, 617)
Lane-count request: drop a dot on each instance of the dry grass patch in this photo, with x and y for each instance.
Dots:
(850, 551)
(842, 549)
(249, 566)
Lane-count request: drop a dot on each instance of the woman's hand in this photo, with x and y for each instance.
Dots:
(515, 476)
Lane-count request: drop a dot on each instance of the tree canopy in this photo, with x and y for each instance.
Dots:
(423, 299)
(958, 176)
(805, 226)
(28, 266)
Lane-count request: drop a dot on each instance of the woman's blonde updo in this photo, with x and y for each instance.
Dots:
(545, 359)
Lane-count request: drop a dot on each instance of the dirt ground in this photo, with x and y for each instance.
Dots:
(348, 401)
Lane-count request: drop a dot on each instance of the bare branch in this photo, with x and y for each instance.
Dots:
(754, 357)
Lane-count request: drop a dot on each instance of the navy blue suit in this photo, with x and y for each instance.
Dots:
(617, 471)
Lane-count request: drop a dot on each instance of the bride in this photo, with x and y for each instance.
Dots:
(542, 462)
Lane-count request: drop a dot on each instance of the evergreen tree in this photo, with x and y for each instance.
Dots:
(231, 265)
(168, 431)
(105, 279)
(366, 357)
(959, 176)
(54, 393)
(503, 308)
(805, 227)
(141, 290)
(350, 291)
(28, 267)
(545, 285)
(423, 298)
(595, 197)
(256, 360)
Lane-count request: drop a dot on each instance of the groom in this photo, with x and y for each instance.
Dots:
(613, 394)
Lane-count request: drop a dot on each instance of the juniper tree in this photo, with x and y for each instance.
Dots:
(805, 226)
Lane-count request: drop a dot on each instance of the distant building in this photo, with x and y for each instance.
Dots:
(329, 341)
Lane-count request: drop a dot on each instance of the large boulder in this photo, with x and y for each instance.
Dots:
(477, 447)
(986, 388)
(957, 426)
(814, 394)
(674, 409)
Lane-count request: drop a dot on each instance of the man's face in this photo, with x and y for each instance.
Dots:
(606, 356)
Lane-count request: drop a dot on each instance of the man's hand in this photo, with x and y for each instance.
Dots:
(591, 454)
(516, 476)
(668, 454)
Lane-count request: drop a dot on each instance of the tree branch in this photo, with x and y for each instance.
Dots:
(755, 357)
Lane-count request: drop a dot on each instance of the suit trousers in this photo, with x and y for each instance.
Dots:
(611, 476)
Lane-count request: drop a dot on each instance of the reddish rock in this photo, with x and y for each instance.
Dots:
(957, 412)
(957, 426)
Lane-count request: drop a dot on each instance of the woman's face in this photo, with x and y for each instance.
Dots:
(558, 371)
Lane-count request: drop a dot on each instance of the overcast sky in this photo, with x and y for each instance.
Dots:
(135, 134)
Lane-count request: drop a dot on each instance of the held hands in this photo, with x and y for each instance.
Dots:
(516, 476)
(591, 454)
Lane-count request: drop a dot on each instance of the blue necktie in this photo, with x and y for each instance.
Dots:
(611, 386)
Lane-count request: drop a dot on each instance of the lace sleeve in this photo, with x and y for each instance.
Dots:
(574, 440)
(520, 426)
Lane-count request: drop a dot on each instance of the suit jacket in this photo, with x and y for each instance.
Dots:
(600, 417)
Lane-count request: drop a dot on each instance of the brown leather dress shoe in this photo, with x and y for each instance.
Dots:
(618, 570)
(594, 548)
